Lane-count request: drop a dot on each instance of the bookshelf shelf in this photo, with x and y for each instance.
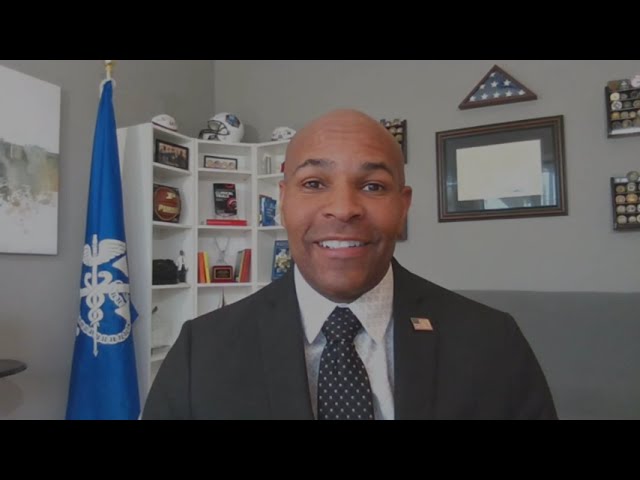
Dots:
(170, 287)
(225, 285)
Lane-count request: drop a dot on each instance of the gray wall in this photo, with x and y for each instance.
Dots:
(39, 295)
(575, 253)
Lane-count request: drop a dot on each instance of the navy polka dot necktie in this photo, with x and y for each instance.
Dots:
(344, 392)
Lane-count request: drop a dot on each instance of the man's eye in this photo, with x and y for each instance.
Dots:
(373, 187)
(313, 184)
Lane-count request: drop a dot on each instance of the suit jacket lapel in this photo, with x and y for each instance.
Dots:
(282, 343)
(414, 351)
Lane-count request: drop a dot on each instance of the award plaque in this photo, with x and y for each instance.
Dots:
(166, 204)
(222, 272)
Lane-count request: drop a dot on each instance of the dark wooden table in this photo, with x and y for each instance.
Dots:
(11, 367)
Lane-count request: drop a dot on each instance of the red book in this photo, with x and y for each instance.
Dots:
(226, 223)
(245, 274)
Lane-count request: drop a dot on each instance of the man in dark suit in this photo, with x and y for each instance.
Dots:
(349, 333)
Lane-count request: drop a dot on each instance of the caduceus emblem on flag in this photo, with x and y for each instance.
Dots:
(100, 281)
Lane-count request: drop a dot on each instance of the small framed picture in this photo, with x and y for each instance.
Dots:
(221, 163)
(170, 154)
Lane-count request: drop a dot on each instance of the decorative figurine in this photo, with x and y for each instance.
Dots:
(182, 268)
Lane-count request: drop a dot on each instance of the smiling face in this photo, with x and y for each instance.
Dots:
(344, 203)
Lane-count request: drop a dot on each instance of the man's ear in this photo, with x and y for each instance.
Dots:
(407, 196)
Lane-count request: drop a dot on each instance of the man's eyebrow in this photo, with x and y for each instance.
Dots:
(315, 162)
(373, 166)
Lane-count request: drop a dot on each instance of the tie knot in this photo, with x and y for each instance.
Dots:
(341, 326)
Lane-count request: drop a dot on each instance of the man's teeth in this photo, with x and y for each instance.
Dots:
(339, 244)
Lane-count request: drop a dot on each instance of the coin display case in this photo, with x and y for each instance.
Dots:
(398, 128)
(625, 193)
(622, 100)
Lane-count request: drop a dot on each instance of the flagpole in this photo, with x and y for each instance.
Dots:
(108, 67)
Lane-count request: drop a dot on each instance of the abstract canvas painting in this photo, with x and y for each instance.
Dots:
(29, 164)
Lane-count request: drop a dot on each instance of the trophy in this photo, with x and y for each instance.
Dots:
(222, 272)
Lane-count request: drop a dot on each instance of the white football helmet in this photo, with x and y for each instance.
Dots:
(165, 121)
(224, 127)
(282, 133)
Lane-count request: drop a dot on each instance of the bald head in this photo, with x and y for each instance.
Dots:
(340, 128)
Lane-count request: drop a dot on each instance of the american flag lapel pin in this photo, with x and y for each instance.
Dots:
(421, 324)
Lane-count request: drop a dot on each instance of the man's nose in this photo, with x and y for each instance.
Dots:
(344, 203)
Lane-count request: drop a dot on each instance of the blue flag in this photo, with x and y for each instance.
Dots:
(103, 382)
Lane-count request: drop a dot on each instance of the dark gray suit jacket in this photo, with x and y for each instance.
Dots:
(246, 360)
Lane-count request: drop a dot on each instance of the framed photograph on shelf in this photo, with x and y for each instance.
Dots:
(221, 163)
(171, 154)
(502, 170)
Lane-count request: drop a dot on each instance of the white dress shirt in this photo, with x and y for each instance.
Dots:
(374, 343)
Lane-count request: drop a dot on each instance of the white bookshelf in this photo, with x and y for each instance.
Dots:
(171, 287)
(163, 309)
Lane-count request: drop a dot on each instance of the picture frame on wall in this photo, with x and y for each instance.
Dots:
(503, 170)
(29, 164)
(220, 162)
(171, 154)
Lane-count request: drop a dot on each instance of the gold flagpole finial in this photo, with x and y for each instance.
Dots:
(108, 66)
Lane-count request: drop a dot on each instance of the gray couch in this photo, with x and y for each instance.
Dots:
(587, 343)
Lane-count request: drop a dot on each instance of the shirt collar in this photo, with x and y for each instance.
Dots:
(373, 309)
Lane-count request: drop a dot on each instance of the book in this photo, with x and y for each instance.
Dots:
(243, 266)
(207, 272)
(201, 270)
(245, 269)
(238, 267)
(224, 200)
(282, 261)
(267, 211)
